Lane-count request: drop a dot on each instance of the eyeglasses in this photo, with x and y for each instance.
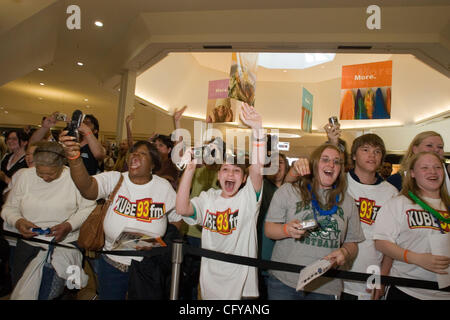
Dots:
(326, 160)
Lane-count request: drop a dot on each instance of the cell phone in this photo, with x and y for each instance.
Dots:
(333, 121)
(41, 231)
(74, 124)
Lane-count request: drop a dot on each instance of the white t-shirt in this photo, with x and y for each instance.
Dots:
(12, 241)
(406, 224)
(229, 226)
(47, 204)
(144, 208)
(369, 199)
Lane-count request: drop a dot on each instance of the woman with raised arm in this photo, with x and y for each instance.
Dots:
(144, 203)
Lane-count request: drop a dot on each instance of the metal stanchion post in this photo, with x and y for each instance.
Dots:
(177, 259)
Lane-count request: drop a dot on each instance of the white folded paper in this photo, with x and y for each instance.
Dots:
(311, 272)
(440, 246)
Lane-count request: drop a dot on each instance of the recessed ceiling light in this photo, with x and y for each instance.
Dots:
(40, 69)
(42, 84)
(86, 99)
(6, 112)
(40, 98)
(88, 106)
(98, 23)
(80, 63)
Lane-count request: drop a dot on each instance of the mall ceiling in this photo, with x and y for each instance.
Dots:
(136, 34)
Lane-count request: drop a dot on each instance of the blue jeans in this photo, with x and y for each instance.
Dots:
(277, 290)
(112, 283)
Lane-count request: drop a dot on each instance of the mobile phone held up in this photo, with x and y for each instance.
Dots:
(333, 121)
(74, 124)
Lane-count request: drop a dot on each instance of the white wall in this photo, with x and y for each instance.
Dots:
(417, 91)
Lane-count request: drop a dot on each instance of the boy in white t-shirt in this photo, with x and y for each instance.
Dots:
(370, 192)
(228, 217)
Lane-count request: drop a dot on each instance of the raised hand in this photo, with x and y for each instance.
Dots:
(178, 114)
(250, 116)
(50, 121)
(129, 118)
(333, 132)
(70, 145)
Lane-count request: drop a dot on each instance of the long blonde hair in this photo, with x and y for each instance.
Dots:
(414, 143)
(410, 184)
(340, 185)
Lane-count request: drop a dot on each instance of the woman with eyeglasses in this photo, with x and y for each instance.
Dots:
(16, 141)
(320, 196)
(410, 226)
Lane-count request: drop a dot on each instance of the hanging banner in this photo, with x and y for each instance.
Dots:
(219, 107)
(366, 91)
(307, 109)
(243, 77)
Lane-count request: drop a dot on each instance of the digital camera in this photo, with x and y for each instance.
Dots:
(209, 153)
(308, 224)
(61, 116)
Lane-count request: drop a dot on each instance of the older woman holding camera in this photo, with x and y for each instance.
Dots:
(45, 197)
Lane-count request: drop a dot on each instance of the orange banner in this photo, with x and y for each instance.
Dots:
(378, 74)
(366, 91)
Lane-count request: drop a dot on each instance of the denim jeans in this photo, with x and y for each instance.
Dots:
(277, 290)
(112, 283)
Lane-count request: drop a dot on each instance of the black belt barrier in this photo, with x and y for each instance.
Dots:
(253, 262)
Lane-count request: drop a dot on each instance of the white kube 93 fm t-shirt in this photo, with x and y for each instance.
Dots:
(143, 208)
(229, 226)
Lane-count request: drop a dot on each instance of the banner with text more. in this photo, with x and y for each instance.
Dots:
(307, 108)
(366, 91)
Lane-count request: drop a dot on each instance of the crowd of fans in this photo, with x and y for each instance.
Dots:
(363, 215)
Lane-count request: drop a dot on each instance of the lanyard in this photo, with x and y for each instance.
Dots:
(429, 209)
(426, 207)
(317, 208)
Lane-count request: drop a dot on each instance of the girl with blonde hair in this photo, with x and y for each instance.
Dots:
(408, 224)
(427, 141)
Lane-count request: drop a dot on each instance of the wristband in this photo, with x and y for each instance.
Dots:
(285, 230)
(259, 144)
(404, 255)
(87, 134)
(75, 157)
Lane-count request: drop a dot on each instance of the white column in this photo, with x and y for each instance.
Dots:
(126, 103)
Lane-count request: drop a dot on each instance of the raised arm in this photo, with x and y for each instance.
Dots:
(298, 169)
(183, 204)
(86, 184)
(128, 119)
(94, 145)
(253, 119)
(46, 124)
